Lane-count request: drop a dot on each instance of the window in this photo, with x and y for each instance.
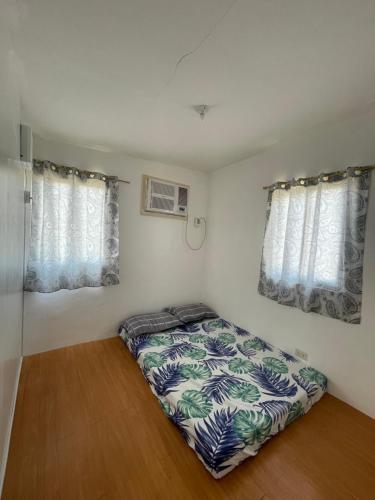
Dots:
(304, 240)
(74, 230)
(314, 243)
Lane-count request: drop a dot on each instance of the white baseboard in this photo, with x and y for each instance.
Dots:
(9, 429)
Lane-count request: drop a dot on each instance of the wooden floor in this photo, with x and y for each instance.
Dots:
(88, 427)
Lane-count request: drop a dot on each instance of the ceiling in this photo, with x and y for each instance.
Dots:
(105, 74)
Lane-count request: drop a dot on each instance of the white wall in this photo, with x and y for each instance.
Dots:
(156, 267)
(236, 218)
(11, 230)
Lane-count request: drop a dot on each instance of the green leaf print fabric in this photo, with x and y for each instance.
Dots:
(227, 390)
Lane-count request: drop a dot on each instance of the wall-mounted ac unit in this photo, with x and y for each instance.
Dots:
(161, 197)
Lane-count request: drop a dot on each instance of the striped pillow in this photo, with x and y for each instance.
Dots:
(148, 323)
(192, 312)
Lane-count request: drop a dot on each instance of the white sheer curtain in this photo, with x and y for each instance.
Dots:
(74, 233)
(304, 240)
(313, 244)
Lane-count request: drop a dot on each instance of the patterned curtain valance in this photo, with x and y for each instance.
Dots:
(314, 243)
(40, 166)
(323, 177)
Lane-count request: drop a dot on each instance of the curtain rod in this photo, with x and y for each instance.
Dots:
(316, 177)
(70, 170)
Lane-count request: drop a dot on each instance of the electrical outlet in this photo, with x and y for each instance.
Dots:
(301, 354)
(197, 221)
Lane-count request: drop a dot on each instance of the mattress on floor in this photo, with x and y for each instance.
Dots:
(226, 390)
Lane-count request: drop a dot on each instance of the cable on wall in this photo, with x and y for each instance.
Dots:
(204, 235)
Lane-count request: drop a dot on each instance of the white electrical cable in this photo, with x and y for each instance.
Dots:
(186, 234)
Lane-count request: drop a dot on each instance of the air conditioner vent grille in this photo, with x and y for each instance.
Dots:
(162, 203)
(164, 189)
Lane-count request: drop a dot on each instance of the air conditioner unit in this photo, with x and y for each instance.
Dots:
(161, 197)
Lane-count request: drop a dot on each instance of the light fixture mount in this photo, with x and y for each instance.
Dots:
(201, 109)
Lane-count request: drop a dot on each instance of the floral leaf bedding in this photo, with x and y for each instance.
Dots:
(226, 390)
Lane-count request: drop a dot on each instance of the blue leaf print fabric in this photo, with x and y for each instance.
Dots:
(227, 390)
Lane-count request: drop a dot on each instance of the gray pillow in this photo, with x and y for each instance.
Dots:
(148, 323)
(192, 312)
